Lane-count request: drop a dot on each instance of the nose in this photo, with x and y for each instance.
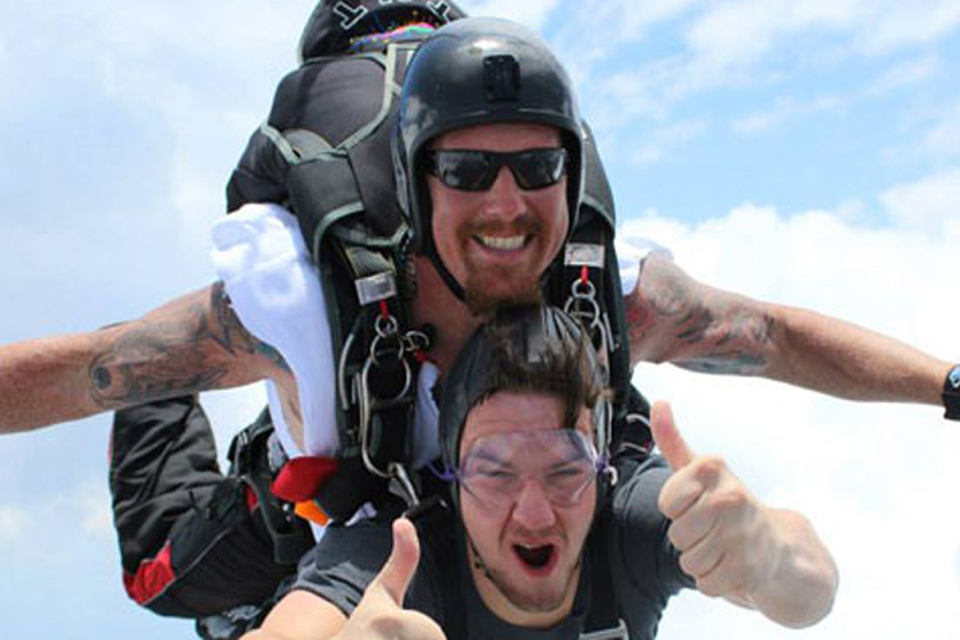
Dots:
(504, 196)
(533, 510)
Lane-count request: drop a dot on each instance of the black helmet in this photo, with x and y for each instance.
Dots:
(536, 347)
(334, 23)
(471, 72)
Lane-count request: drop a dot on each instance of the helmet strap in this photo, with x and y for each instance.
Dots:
(455, 287)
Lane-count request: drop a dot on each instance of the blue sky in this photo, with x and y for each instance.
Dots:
(802, 152)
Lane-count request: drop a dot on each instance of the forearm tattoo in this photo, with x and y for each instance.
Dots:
(734, 346)
(697, 328)
(178, 349)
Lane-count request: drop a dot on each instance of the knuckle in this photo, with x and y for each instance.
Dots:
(710, 468)
(677, 537)
(688, 565)
(709, 586)
(733, 499)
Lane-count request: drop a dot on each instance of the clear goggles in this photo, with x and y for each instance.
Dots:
(496, 468)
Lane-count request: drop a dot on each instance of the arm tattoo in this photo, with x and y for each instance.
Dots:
(696, 327)
(230, 334)
(146, 363)
(736, 349)
(175, 350)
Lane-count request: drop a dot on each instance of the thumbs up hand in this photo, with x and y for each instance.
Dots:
(732, 544)
(726, 536)
(380, 613)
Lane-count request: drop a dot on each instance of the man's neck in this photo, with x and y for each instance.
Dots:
(435, 304)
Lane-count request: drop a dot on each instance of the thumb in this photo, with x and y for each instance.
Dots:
(400, 566)
(671, 444)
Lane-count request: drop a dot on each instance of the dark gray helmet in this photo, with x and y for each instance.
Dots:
(334, 23)
(471, 72)
(536, 348)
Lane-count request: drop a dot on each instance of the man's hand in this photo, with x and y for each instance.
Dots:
(380, 613)
(732, 544)
(722, 531)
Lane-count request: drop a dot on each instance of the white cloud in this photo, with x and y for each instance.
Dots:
(786, 110)
(931, 134)
(891, 24)
(749, 43)
(906, 73)
(931, 204)
(942, 140)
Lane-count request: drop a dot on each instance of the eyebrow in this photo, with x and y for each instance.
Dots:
(488, 457)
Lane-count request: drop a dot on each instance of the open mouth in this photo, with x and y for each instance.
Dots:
(535, 557)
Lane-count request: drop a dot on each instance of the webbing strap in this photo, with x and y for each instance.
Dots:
(603, 621)
(364, 262)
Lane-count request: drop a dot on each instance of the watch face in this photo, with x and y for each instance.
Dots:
(954, 377)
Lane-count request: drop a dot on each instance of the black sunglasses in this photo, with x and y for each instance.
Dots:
(470, 170)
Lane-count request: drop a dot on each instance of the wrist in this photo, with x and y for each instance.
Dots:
(951, 394)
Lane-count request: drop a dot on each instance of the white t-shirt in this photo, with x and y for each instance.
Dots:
(274, 287)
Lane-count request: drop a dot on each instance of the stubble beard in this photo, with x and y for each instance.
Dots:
(484, 303)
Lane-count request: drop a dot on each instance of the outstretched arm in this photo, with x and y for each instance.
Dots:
(674, 318)
(734, 545)
(194, 343)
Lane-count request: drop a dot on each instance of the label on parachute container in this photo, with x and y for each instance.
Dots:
(377, 287)
(584, 255)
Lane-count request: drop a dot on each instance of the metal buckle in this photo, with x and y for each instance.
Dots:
(582, 304)
(614, 633)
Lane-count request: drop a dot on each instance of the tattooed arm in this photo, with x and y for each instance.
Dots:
(194, 343)
(674, 318)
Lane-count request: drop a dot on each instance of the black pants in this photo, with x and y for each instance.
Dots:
(191, 542)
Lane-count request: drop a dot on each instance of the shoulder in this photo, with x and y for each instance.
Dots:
(633, 501)
(637, 531)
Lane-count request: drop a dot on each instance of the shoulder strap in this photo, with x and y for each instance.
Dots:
(361, 271)
(324, 152)
(603, 619)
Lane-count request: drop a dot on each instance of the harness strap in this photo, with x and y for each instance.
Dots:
(252, 464)
(603, 619)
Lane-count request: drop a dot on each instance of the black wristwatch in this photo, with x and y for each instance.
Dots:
(951, 394)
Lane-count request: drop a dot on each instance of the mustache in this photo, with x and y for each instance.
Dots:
(518, 532)
(524, 224)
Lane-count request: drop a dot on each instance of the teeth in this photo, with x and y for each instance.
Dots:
(509, 243)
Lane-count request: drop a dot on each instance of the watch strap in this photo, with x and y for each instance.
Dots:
(951, 394)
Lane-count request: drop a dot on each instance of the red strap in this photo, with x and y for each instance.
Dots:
(151, 578)
(301, 478)
(252, 500)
